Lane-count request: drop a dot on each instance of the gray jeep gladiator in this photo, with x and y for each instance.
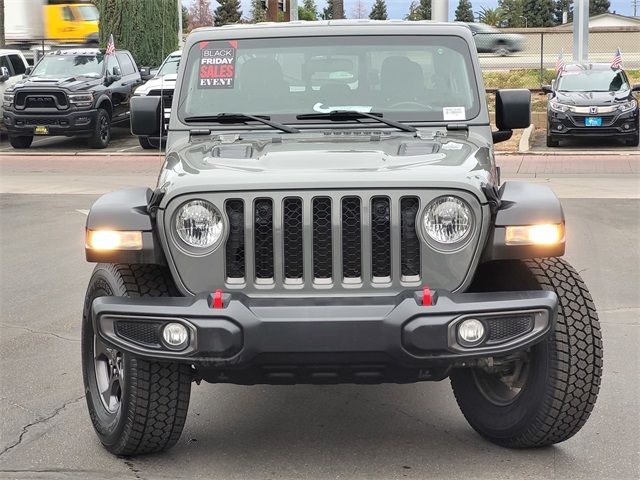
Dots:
(329, 210)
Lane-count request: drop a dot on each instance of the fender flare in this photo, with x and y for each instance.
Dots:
(125, 210)
(523, 203)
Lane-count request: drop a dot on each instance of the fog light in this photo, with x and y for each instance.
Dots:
(626, 126)
(471, 331)
(175, 335)
(560, 127)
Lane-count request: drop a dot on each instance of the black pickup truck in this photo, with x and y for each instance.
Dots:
(80, 92)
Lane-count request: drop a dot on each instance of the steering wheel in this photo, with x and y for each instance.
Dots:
(411, 104)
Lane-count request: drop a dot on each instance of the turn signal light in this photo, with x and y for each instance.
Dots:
(543, 234)
(113, 240)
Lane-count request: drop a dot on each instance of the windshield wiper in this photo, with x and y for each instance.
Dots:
(241, 118)
(355, 114)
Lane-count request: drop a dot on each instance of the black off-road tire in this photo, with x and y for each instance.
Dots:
(155, 395)
(101, 130)
(564, 369)
(20, 142)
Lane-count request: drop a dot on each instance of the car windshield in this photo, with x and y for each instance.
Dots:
(63, 66)
(592, 81)
(419, 78)
(88, 13)
(169, 66)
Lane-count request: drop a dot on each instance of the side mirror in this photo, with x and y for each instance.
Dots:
(117, 72)
(146, 115)
(513, 110)
(547, 89)
(636, 88)
(28, 71)
(145, 73)
(4, 74)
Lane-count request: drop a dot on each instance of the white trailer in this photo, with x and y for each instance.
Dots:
(23, 21)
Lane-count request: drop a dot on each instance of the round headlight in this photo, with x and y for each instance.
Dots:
(447, 220)
(199, 224)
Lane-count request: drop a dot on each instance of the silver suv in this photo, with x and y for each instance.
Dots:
(329, 210)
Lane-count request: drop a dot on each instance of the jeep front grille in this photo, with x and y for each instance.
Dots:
(322, 240)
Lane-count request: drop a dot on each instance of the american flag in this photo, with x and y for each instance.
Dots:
(111, 46)
(560, 63)
(617, 60)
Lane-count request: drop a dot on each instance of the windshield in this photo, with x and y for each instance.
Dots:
(420, 78)
(88, 13)
(592, 81)
(169, 66)
(64, 66)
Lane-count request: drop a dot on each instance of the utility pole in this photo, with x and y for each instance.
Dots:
(635, 4)
(180, 42)
(272, 10)
(2, 40)
(581, 31)
(440, 10)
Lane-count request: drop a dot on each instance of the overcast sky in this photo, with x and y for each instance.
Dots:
(399, 8)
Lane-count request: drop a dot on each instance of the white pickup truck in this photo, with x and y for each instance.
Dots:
(13, 66)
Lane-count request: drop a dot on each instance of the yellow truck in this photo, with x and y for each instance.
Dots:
(56, 22)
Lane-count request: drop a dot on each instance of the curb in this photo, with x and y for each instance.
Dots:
(526, 140)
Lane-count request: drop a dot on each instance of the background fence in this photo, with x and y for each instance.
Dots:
(534, 64)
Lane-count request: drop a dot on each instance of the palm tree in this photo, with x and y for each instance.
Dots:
(490, 16)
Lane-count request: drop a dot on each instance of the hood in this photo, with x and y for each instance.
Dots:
(313, 161)
(167, 82)
(74, 84)
(592, 98)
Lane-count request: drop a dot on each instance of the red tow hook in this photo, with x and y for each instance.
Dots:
(215, 299)
(427, 298)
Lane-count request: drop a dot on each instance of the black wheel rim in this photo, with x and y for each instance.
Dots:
(108, 367)
(503, 385)
(104, 128)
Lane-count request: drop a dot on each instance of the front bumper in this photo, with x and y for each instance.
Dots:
(248, 337)
(573, 124)
(72, 123)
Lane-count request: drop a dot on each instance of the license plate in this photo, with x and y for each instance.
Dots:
(41, 130)
(593, 122)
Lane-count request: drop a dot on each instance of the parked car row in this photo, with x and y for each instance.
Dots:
(79, 92)
(83, 92)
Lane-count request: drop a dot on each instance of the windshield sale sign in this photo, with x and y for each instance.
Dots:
(217, 64)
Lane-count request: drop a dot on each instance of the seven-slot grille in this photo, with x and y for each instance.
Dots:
(322, 240)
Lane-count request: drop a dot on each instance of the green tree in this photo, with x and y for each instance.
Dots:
(327, 12)
(464, 12)
(124, 18)
(419, 10)
(258, 12)
(185, 19)
(227, 12)
(563, 6)
(308, 11)
(490, 16)
(539, 13)
(512, 13)
(597, 7)
(379, 10)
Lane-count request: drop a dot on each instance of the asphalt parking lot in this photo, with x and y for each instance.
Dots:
(121, 141)
(273, 432)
